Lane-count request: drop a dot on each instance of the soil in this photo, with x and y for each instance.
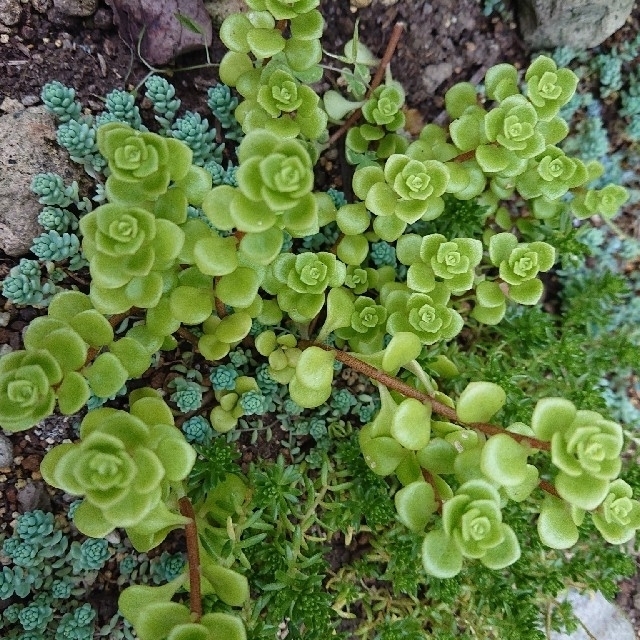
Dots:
(444, 42)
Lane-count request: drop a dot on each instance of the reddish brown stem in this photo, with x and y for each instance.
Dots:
(438, 407)
(193, 556)
(467, 155)
(188, 336)
(377, 79)
(429, 479)
(545, 485)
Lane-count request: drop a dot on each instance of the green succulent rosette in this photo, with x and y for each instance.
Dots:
(141, 163)
(124, 466)
(384, 107)
(454, 261)
(618, 517)
(584, 446)
(155, 619)
(284, 9)
(605, 202)
(472, 528)
(275, 180)
(406, 189)
(300, 282)
(128, 248)
(548, 87)
(26, 393)
(513, 126)
(284, 107)
(551, 175)
(366, 330)
(520, 264)
(425, 315)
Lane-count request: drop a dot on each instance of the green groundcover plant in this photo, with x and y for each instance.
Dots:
(448, 237)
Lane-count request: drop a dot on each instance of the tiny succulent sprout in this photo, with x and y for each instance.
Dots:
(123, 466)
(585, 447)
(548, 87)
(141, 163)
(605, 202)
(406, 189)
(425, 315)
(384, 107)
(472, 528)
(520, 264)
(245, 399)
(618, 517)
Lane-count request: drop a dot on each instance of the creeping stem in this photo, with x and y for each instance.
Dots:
(193, 556)
(440, 408)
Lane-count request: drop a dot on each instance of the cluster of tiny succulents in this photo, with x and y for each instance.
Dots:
(250, 255)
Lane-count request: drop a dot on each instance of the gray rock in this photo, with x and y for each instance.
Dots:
(604, 620)
(10, 12)
(6, 452)
(435, 74)
(78, 8)
(573, 23)
(41, 6)
(34, 496)
(220, 9)
(27, 147)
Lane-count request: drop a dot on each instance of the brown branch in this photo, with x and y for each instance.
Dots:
(429, 479)
(188, 336)
(463, 157)
(545, 485)
(193, 556)
(377, 79)
(438, 407)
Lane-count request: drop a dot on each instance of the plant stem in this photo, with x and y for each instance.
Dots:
(440, 408)
(377, 79)
(193, 556)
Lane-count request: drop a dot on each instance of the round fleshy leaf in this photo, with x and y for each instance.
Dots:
(505, 553)
(383, 454)
(555, 526)
(133, 356)
(552, 415)
(585, 492)
(106, 375)
(190, 305)
(230, 586)
(72, 393)
(504, 460)
(415, 504)
(440, 555)
(411, 424)
(479, 401)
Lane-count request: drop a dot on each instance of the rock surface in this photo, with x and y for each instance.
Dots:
(163, 25)
(603, 619)
(27, 147)
(220, 9)
(6, 452)
(574, 23)
(80, 8)
(10, 12)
